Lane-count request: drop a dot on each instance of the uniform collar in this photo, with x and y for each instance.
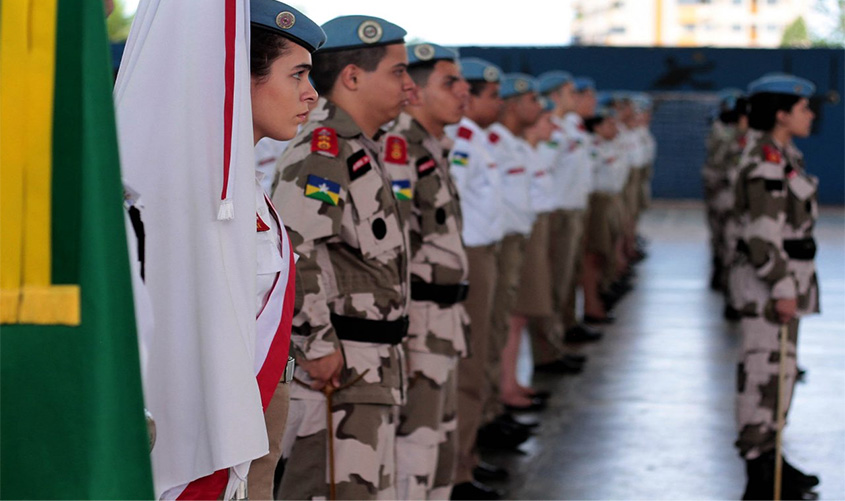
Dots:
(332, 115)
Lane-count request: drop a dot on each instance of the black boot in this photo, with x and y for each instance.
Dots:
(761, 481)
(796, 477)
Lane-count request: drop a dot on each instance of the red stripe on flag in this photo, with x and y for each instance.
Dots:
(229, 96)
(207, 487)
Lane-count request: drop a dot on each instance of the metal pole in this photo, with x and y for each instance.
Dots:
(781, 418)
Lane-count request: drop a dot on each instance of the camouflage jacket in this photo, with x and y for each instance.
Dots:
(345, 225)
(418, 165)
(776, 200)
(718, 148)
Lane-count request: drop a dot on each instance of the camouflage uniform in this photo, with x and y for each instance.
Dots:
(717, 195)
(351, 294)
(777, 202)
(426, 442)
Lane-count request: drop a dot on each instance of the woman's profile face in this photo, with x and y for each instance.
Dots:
(799, 120)
(282, 99)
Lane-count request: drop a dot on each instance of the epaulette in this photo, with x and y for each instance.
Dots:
(260, 225)
(395, 149)
(324, 142)
(771, 154)
(464, 133)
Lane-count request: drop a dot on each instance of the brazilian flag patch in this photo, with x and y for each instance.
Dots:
(402, 189)
(322, 189)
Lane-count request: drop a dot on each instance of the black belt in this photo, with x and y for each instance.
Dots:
(803, 249)
(440, 294)
(370, 331)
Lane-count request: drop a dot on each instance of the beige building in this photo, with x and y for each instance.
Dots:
(684, 23)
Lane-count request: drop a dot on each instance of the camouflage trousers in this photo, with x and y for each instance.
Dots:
(426, 440)
(364, 451)
(757, 383)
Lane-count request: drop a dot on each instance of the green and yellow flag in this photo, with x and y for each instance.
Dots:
(71, 404)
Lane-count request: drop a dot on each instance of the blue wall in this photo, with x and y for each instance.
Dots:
(703, 70)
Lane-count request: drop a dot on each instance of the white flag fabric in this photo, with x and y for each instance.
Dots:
(185, 134)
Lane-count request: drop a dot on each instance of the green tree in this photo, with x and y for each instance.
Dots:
(119, 21)
(796, 34)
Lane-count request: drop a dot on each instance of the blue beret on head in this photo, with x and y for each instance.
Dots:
(642, 102)
(515, 84)
(781, 83)
(355, 32)
(728, 97)
(552, 80)
(473, 68)
(283, 19)
(584, 83)
(424, 52)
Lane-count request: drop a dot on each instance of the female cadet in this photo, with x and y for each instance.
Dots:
(776, 200)
(281, 42)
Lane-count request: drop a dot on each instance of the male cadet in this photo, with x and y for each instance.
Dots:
(352, 274)
(571, 175)
(477, 178)
(414, 154)
(512, 153)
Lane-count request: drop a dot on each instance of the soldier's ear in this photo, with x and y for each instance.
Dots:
(349, 76)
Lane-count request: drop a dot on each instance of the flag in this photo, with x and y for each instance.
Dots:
(72, 420)
(185, 131)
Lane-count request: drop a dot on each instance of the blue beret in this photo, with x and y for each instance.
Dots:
(547, 104)
(552, 80)
(355, 32)
(781, 83)
(728, 97)
(584, 83)
(288, 22)
(605, 99)
(473, 68)
(515, 84)
(642, 102)
(424, 52)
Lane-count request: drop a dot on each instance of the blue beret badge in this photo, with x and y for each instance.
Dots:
(491, 74)
(424, 51)
(285, 20)
(370, 31)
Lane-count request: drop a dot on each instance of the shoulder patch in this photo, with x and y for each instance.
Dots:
(425, 166)
(324, 142)
(460, 158)
(359, 164)
(395, 150)
(402, 189)
(260, 225)
(494, 138)
(464, 132)
(322, 189)
(771, 154)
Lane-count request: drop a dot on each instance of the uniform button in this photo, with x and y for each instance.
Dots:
(440, 216)
(379, 228)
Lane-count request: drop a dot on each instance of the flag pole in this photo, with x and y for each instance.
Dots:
(784, 331)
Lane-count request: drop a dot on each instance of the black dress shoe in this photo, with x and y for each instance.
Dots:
(575, 358)
(537, 404)
(497, 435)
(559, 366)
(606, 319)
(486, 472)
(474, 490)
(579, 334)
(508, 419)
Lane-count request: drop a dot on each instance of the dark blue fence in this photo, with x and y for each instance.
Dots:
(700, 73)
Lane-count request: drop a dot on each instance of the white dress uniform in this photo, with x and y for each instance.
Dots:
(511, 154)
(475, 173)
(574, 173)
